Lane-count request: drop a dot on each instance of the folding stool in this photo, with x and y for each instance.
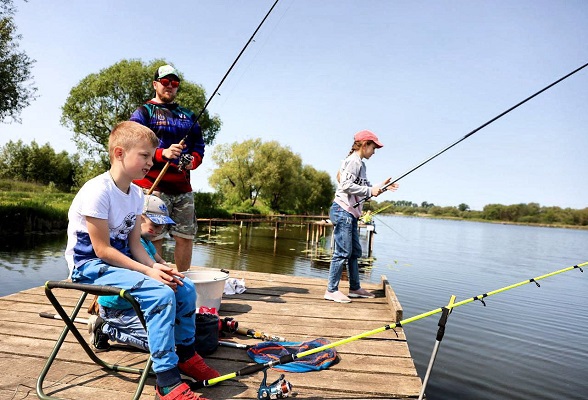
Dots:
(70, 326)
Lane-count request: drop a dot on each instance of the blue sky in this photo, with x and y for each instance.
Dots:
(420, 74)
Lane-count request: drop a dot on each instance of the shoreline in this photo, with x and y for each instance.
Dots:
(539, 225)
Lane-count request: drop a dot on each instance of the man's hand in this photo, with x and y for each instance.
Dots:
(173, 151)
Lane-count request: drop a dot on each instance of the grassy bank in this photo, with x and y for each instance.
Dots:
(554, 225)
(30, 208)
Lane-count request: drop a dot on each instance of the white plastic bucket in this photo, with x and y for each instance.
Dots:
(210, 286)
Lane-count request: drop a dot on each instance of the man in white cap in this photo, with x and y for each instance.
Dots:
(173, 124)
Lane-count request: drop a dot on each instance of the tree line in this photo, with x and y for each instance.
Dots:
(252, 176)
(524, 213)
(263, 177)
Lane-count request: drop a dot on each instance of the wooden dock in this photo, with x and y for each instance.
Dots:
(376, 367)
(316, 226)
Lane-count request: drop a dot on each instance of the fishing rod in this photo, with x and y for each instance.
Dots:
(382, 209)
(85, 321)
(384, 188)
(249, 332)
(166, 166)
(293, 357)
(253, 333)
(369, 214)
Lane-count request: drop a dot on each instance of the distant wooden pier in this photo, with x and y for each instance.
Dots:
(376, 367)
(316, 226)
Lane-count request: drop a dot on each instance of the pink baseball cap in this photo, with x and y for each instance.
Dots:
(367, 135)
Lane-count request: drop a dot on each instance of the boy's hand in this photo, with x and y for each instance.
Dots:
(166, 275)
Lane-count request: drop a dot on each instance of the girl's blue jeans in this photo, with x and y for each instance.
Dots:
(170, 316)
(347, 248)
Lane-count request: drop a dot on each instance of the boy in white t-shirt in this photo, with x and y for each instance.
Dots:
(117, 320)
(104, 248)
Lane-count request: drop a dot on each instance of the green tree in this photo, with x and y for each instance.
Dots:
(253, 170)
(279, 175)
(13, 155)
(18, 90)
(102, 100)
(463, 207)
(235, 175)
(37, 164)
(316, 191)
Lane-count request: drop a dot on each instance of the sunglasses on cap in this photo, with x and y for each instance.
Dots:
(166, 82)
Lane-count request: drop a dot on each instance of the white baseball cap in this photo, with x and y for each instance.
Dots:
(155, 209)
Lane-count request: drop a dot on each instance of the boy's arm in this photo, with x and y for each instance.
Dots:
(159, 259)
(98, 231)
(140, 254)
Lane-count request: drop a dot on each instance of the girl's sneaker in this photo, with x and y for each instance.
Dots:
(180, 392)
(337, 297)
(361, 292)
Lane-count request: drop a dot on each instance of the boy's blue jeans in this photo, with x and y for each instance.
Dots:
(170, 316)
(347, 248)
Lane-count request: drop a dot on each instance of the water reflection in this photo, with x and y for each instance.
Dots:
(255, 248)
(527, 343)
(30, 260)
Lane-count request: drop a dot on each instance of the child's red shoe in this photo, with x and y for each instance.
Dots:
(197, 369)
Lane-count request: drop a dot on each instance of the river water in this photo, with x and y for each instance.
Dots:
(526, 343)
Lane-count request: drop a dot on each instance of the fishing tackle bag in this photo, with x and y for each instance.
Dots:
(206, 333)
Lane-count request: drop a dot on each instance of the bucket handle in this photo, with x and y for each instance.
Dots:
(222, 270)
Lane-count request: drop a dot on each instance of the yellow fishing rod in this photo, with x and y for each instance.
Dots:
(293, 357)
(382, 209)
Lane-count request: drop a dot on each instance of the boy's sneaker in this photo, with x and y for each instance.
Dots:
(337, 297)
(98, 339)
(197, 369)
(361, 292)
(180, 392)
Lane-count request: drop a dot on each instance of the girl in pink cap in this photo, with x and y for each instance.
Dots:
(352, 186)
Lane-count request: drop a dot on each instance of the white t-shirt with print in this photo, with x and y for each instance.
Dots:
(100, 198)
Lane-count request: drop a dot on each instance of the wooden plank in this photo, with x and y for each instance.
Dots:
(378, 367)
(392, 300)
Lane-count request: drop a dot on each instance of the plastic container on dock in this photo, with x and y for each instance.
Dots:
(210, 286)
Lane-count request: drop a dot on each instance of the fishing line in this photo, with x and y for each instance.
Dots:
(293, 357)
(166, 166)
(373, 214)
(389, 227)
(384, 188)
(259, 49)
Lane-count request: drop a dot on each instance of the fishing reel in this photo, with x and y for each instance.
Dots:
(280, 389)
(228, 324)
(185, 161)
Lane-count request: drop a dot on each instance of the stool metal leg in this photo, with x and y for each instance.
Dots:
(70, 326)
